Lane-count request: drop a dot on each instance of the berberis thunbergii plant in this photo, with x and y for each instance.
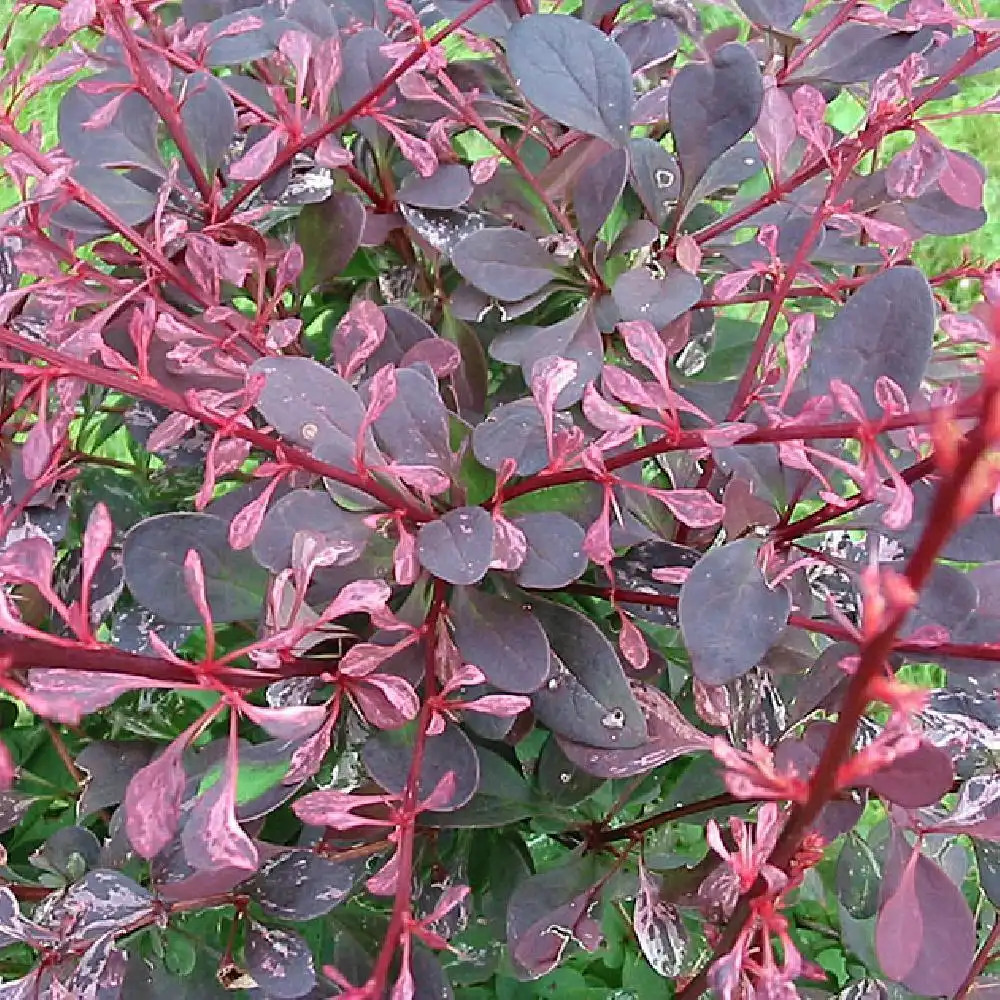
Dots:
(481, 486)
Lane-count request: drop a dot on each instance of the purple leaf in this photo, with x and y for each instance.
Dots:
(309, 510)
(574, 73)
(727, 584)
(597, 190)
(387, 757)
(886, 328)
(554, 555)
(515, 431)
(154, 554)
(576, 338)
(655, 177)
(712, 106)
(448, 187)
(413, 428)
(209, 120)
(586, 697)
(100, 902)
(919, 778)
(329, 232)
(67, 695)
(642, 295)
(925, 935)
(506, 263)
(670, 736)
(500, 637)
(458, 547)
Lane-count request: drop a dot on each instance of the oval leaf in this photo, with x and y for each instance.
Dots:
(458, 547)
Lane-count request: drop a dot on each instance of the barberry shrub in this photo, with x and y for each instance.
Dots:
(489, 497)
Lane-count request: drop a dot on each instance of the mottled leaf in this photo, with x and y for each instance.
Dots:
(280, 961)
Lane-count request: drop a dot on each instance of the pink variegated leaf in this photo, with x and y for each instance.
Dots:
(8, 769)
(404, 987)
(510, 546)
(405, 563)
(484, 169)
(426, 480)
(96, 539)
(626, 388)
(358, 336)
(775, 128)
(633, 645)
(366, 596)
(258, 158)
(502, 705)
(245, 525)
(212, 837)
(308, 758)
(170, 432)
(29, 560)
(961, 181)
(441, 356)
(606, 417)
(364, 658)
(646, 347)
(336, 809)
(549, 376)
(294, 722)
(726, 435)
(730, 285)
(68, 695)
(688, 254)
(385, 880)
(385, 700)
(695, 508)
(153, 801)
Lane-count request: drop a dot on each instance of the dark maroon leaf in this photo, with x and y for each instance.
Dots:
(574, 73)
(69, 852)
(130, 202)
(209, 120)
(936, 214)
(129, 140)
(108, 767)
(280, 961)
(856, 52)
(642, 295)
(925, 936)
(500, 637)
(656, 178)
(155, 551)
(413, 429)
(315, 512)
(634, 571)
(597, 191)
(503, 797)
(548, 911)
(506, 263)
(774, 13)
(308, 404)
(919, 778)
(948, 599)
(329, 232)
(648, 43)
(727, 582)
(555, 554)
(514, 431)
(388, 755)
(365, 67)
(586, 697)
(301, 885)
(575, 338)
(448, 187)
(670, 736)
(457, 547)
(886, 328)
(228, 47)
(560, 780)
(712, 107)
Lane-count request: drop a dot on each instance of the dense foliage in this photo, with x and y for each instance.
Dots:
(491, 507)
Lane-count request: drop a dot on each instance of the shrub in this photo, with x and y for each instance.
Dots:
(477, 479)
